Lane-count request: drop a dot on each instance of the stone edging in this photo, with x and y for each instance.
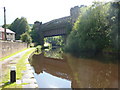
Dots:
(28, 77)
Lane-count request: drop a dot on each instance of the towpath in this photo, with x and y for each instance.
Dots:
(28, 76)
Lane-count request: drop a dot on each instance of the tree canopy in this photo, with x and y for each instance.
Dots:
(25, 37)
(35, 35)
(96, 29)
(19, 26)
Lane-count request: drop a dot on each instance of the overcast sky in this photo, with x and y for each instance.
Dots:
(38, 10)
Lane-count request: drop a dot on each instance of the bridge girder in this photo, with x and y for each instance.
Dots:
(57, 27)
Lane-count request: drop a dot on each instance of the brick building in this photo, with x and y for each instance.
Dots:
(9, 34)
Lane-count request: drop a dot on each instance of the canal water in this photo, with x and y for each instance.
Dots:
(53, 69)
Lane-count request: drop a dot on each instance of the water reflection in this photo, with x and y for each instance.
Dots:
(50, 81)
(65, 71)
(54, 53)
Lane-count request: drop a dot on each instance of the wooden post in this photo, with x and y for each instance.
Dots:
(5, 24)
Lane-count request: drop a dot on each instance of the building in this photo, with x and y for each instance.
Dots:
(9, 34)
(75, 12)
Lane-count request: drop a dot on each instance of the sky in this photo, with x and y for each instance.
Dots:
(38, 10)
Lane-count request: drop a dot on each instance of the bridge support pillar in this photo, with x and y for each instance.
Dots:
(41, 39)
(42, 42)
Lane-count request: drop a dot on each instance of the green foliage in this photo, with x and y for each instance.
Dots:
(56, 40)
(35, 36)
(114, 25)
(25, 37)
(19, 26)
(7, 26)
(38, 48)
(31, 25)
(95, 30)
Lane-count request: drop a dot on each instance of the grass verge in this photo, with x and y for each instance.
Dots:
(21, 66)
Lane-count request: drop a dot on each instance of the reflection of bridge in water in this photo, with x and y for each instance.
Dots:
(82, 73)
(56, 67)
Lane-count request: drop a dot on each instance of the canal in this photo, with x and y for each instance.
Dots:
(54, 69)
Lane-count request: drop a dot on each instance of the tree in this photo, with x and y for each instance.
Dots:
(7, 26)
(35, 35)
(19, 26)
(55, 40)
(114, 25)
(90, 32)
(25, 37)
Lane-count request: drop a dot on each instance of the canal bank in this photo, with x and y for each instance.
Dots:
(23, 71)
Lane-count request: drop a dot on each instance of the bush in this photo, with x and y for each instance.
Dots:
(38, 48)
(25, 37)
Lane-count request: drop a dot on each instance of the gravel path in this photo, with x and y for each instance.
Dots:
(28, 76)
(17, 56)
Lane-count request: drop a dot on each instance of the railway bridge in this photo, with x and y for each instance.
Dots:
(57, 27)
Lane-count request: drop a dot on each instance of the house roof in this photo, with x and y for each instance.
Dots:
(7, 30)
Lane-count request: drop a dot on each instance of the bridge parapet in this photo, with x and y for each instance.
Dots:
(57, 23)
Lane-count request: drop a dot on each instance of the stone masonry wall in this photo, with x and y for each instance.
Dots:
(7, 47)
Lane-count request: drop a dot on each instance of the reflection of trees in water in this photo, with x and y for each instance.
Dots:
(93, 74)
(55, 67)
(54, 53)
(50, 65)
(83, 73)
